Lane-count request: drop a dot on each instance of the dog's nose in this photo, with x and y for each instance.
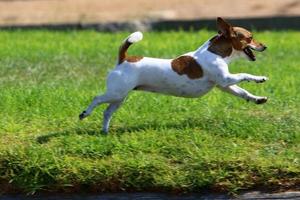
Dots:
(264, 47)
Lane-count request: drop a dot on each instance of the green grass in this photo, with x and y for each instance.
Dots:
(156, 142)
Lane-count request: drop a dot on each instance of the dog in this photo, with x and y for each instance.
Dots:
(190, 75)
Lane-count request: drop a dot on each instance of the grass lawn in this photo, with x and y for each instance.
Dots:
(156, 142)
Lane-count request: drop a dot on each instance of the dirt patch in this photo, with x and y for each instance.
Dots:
(34, 12)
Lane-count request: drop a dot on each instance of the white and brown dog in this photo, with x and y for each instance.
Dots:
(190, 75)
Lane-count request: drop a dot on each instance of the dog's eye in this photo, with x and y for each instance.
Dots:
(248, 40)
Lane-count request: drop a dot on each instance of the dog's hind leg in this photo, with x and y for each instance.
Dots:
(96, 102)
(108, 97)
(119, 84)
(107, 114)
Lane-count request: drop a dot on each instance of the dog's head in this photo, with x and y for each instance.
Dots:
(240, 39)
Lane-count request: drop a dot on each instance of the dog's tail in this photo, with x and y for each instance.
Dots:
(132, 38)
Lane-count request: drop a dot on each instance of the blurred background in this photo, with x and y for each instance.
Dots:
(45, 12)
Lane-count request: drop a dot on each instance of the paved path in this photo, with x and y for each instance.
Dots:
(34, 12)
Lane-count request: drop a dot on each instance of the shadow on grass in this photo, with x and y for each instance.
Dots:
(181, 125)
(156, 126)
(47, 137)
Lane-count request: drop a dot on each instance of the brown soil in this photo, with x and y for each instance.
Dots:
(22, 12)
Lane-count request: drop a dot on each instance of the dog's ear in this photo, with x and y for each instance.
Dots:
(225, 28)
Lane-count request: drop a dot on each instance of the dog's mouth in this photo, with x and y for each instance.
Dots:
(249, 53)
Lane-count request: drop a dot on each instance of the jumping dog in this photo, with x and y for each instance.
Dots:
(191, 75)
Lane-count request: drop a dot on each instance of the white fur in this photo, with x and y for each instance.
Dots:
(157, 75)
(135, 37)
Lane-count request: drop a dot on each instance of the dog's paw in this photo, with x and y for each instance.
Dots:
(261, 100)
(261, 79)
(83, 115)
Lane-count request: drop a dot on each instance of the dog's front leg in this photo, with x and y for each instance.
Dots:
(219, 73)
(240, 92)
(228, 79)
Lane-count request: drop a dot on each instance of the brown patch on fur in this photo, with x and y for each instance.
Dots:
(123, 51)
(230, 37)
(221, 46)
(133, 58)
(241, 39)
(187, 65)
(241, 32)
(123, 54)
